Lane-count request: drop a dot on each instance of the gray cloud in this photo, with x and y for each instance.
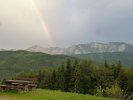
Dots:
(69, 22)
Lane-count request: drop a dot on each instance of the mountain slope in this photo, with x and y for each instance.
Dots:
(93, 47)
(12, 62)
(111, 57)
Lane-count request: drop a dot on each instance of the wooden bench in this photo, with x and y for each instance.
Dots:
(19, 85)
(7, 87)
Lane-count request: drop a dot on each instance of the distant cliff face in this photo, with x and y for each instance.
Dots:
(93, 47)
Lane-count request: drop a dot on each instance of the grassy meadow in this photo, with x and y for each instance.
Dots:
(40, 94)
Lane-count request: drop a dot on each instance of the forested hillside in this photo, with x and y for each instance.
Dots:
(112, 57)
(12, 62)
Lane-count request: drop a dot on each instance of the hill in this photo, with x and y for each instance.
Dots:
(112, 57)
(48, 95)
(12, 62)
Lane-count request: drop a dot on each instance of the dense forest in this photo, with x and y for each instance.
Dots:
(85, 77)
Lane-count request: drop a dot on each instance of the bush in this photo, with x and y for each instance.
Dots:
(99, 91)
(113, 92)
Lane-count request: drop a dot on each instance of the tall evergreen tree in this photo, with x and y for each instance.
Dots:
(61, 79)
(58, 82)
(87, 71)
(40, 77)
(68, 75)
(117, 70)
(106, 64)
(72, 80)
(53, 79)
(82, 75)
(78, 84)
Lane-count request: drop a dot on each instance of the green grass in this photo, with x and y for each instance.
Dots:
(40, 94)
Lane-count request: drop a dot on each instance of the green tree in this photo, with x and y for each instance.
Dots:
(104, 77)
(40, 78)
(118, 70)
(82, 77)
(87, 70)
(78, 83)
(73, 71)
(61, 78)
(68, 75)
(126, 80)
(53, 80)
(106, 64)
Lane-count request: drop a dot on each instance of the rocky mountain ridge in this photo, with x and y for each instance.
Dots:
(93, 47)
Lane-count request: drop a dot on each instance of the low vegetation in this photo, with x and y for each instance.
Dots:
(40, 94)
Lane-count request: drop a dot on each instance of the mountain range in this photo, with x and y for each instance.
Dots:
(93, 47)
(37, 58)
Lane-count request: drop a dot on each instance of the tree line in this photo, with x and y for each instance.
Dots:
(85, 77)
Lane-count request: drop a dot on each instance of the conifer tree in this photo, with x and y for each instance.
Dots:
(39, 78)
(118, 70)
(58, 79)
(106, 64)
(61, 78)
(68, 75)
(72, 80)
(78, 84)
(53, 79)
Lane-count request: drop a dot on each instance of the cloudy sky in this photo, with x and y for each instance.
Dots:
(24, 23)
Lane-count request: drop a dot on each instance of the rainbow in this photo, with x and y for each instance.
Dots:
(43, 22)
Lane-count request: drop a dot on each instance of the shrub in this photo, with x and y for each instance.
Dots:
(99, 91)
(113, 92)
